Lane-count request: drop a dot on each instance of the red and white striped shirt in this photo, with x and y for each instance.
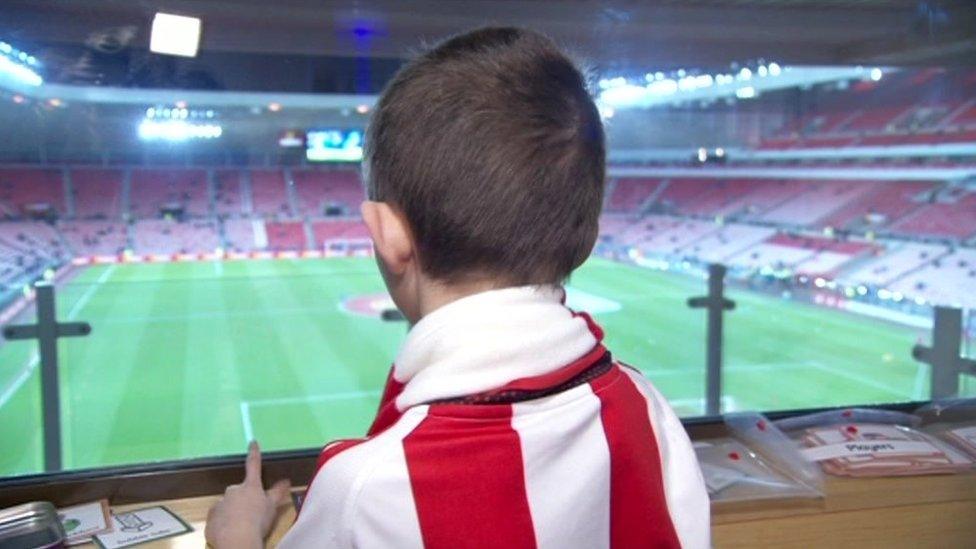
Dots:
(505, 423)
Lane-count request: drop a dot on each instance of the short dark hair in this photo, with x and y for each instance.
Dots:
(492, 147)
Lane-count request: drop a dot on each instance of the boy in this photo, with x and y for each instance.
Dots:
(505, 422)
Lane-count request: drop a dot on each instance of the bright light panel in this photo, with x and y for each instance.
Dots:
(175, 35)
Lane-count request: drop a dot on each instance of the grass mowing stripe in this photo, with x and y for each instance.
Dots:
(185, 364)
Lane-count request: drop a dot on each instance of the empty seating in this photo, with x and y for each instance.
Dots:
(287, 235)
(269, 196)
(952, 217)
(97, 193)
(228, 192)
(681, 232)
(949, 280)
(90, 238)
(727, 241)
(680, 193)
(161, 236)
(25, 189)
(895, 262)
(239, 235)
(154, 189)
(813, 200)
(339, 230)
(630, 194)
(317, 190)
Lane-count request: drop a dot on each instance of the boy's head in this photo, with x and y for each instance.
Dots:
(484, 165)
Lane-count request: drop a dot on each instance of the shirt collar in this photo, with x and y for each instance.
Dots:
(487, 340)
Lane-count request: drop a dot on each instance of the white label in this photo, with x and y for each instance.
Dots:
(870, 448)
(140, 526)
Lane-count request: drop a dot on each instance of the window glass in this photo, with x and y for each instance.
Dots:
(188, 182)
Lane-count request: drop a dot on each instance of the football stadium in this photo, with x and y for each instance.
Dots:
(190, 201)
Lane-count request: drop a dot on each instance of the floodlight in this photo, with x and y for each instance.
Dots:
(175, 35)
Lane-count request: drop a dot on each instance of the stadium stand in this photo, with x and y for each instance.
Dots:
(679, 193)
(89, 238)
(27, 247)
(160, 236)
(286, 235)
(881, 204)
(631, 194)
(949, 279)
(347, 229)
(744, 222)
(97, 193)
(950, 213)
(228, 193)
(153, 189)
(818, 199)
(239, 234)
(727, 241)
(317, 190)
(674, 234)
(897, 261)
(771, 254)
(764, 194)
(269, 196)
(26, 190)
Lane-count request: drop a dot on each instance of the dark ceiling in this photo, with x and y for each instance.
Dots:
(323, 46)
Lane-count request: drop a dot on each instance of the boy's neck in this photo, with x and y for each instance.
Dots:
(434, 295)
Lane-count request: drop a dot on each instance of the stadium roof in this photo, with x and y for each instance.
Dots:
(307, 45)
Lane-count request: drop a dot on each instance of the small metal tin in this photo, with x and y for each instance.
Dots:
(31, 526)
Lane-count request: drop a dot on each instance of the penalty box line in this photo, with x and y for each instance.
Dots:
(247, 405)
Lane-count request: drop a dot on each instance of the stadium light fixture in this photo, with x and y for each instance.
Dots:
(19, 65)
(175, 35)
(876, 74)
(719, 152)
(747, 92)
(774, 69)
(177, 130)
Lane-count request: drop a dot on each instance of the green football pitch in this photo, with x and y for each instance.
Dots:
(193, 359)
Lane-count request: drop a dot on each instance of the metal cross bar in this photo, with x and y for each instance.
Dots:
(47, 331)
(944, 356)
(716, 304)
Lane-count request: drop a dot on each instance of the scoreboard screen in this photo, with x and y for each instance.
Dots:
(334, 145)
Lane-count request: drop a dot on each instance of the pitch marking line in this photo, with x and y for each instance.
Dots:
(25, 373)
(86, 297)
(35, 359)
(246, 405)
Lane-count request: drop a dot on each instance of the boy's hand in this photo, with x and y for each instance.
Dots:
(243, 517)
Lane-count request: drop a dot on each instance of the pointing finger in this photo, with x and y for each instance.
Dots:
(252, 466)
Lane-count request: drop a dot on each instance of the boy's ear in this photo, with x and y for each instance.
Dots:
(391, 235)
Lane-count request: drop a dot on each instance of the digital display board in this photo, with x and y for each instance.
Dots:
(334, 145)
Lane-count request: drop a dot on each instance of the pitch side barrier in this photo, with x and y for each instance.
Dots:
(944, 355)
